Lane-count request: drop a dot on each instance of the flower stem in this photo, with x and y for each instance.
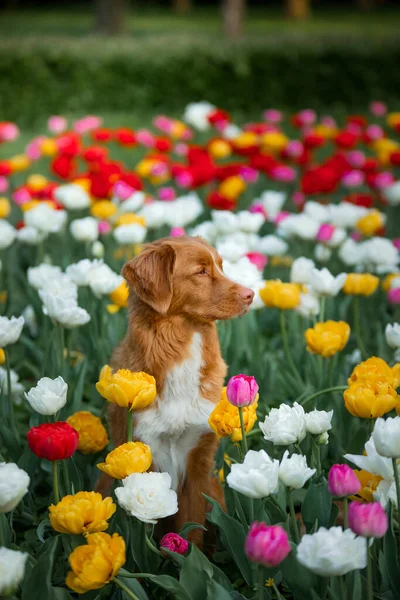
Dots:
(130, 426)
(357, 327)
(293, 515)
(9, 395)
(260, 584)
(54, 465)
(370, 592)
(277, 592)
(125, 588)
(338, 388)
(150, 545)
(316, 454)
(67, 482)
(244, 440)
(397, 482)
(286, 347)
(322, 308)
(346, 512)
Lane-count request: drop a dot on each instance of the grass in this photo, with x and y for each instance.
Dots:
(146, 23)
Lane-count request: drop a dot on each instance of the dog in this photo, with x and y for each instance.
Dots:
(177, 293)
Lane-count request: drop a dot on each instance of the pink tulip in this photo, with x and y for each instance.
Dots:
(123, 190)
(356, 158)
(379, 109)
(257, 259)
(375, 132)
(87, 124)
(284, 214)
(354, 128)
(353, 179)
(8, 132)
(396, 243)
(258, 207)
(184, 180)
(104, 227)
(163, 123)
(383, 179)
(325, 233)
(242, 390)
(328, 121)
(57, 124)
(248, 174)
(159, 169)
(342, 481)
(272, 115)
(21, 196)
(283, 173)
(307, 116)
(3, 184)
(355, 236)
(368, 520)
(181, 149)
(267, 545)
(394, 296)
(167, 194)
(294, 148)
(146, 138)
(298, 198)
(174, 543)
(177, 232)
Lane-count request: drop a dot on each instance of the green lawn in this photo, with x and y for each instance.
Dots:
(146, 23)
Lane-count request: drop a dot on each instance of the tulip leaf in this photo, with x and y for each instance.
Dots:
(195, 573)
(188, 527)
(391, 555)
(135, 586)
(216, 592)
(233, 536)
(78, 391)
(45, 524)
(171, 585)
(38, 584)
(317, 504)
(299, 579)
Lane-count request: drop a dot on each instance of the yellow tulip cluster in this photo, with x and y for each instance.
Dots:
(127, 388)
(276, 294)
(92, 433)
(81, 514)
(371, 223)
(360, 284)
(327, 338)
(224, 419)
(372, 389)
(369, 483)
(132, 457)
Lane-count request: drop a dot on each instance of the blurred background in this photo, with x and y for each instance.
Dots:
(122, 58)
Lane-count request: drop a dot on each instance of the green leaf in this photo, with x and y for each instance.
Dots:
(171, 585)
(135, 586)
(188, 527)
(298, 578)
(216, 592)
(391, 555)
(195, 573)
(78, 392)
(317, 504)
(45, 524)
(38, 584)
(233, 537)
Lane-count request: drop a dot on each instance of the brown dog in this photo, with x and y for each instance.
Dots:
(177, 292)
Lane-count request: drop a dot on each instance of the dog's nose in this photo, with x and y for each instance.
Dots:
(246, 295)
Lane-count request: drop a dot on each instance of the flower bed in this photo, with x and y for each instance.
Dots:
(303, 210)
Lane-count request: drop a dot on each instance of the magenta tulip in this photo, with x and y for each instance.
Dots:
(242, 390)
(342, 481)
(174, 543)
(267, 545)
(368, 520)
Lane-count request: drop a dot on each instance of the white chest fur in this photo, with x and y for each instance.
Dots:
(174, 423)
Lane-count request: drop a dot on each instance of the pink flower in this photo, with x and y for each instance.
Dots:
(294, 148)
(123, 190)
(87, 124)
(242, 390)
(21, 196)
(57, 124)
(167, 194)
(146, 138)
(354, 128)
(356, 158)
(267, 545)
(8, 132)
(272, 115)
(32, 150)
(181, 149)
(159, 169)
(379, 109)
(355, 236)
(248, 174)
(177, 232)
(307, 116)
(163, 123)
(184, 180)
(368, 520)
(328, 121)
(3, 184)
(298, 198)
(375, 132)
(104, 227)
(396, 243)
(325, 232)
(394, 296)
(174, 543)
(258, 207)
(283, 173)
(258, 259)
(383, 179)
(342, 481)
(284, 214)
(353, 179)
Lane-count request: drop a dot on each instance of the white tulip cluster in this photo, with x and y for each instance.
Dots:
(290, 424)
(148, 496)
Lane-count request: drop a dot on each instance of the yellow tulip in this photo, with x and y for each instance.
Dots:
(369, 483)
(48, 147)
(371, 223)
(2, 356)
(19, 162)
(95, 564)
(327, 338)
(370, 400)
(83, 513)
(246, 140)
(219, 149)
(120, 295)
(360, 284)
(103, 209)
(5, 208)
(131, 219)
(127, 388)
(274, 141)
(178, 129)
(132, 457)
(276, 294)
(386, 283)
(37, 182)
(83, 182)
(225, 421)
(232, 187)
(393, 119)
(92, 433)
(375, 370)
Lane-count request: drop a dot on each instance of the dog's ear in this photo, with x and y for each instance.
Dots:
(150, 275)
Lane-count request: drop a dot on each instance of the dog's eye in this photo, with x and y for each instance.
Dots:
(202, 272)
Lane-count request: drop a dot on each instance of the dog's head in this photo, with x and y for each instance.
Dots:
(184, 276)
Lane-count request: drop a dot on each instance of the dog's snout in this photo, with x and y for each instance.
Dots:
(246, 295)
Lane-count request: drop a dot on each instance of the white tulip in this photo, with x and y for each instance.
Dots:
(45, 219)
(130, 234)
(231, 251)
(16, 387)
(14, 483)
(322, 253)
(72, 196)
(64, 310)
(332, 552)
(38, 276)
(258, 302)
(183, 211)
(148, 496)
(325, 284)
(31, 236)
(7, 234)
(206, 230)
(318, 421)
(196, 114)
(294, 471)
(272, 245)
(10, 330)
(273, 203)
(250, 222)
(154, 214)
(392, 334)
(243, 272)
(285, 425)
(103, 280)
(338, 237)
(395, 283)
(309, 306)
(302, 226)
(346, 215)
(84, 230)
(392, 193)
(386, 436)
(225, 221)
(80, 272)
(133, 203)
(386, 492)
(98, 249)
(372, 462)
(317, 211)
(301, 270)
(60, 286)
(380, 253)
(231, 131)
(256, 477)
(12, 569)
(351, 253)
(30, 320)
(49, 396)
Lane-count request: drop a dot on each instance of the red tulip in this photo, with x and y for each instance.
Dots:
(53, 441)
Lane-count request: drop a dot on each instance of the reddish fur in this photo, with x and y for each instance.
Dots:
(169, 302)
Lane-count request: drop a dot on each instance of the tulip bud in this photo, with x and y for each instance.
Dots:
(242, 390)
(174, 543)
(368, 520)
(53, 441)
(323, 439)
(267, 545)
(342, 481)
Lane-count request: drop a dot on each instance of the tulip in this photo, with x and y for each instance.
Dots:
(53, 441)
(256, 477)
(92, 433)
(276, 294)
(224, 419)
(148, 496)
(14, 483)
(294, 471)
(368, 520)
(325, 284)
(49, 395)
(285, 425)
(132, 457)
(12, 570)
(360, 284)
(127, 388)
(267, 545)
(392, 334)
(368, 399)
(174, 543)
(242, 390)
(10, 330)
(327, 338)
(318, 421)
(386, 436)
(81, 514)
(394, 296)
(301, 270)
(342, 481)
